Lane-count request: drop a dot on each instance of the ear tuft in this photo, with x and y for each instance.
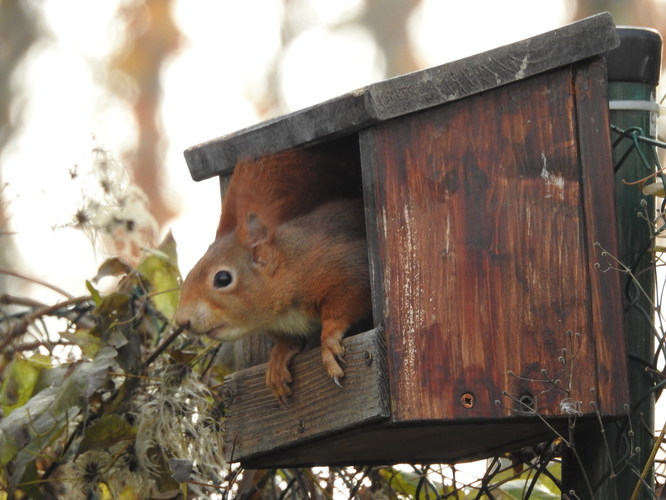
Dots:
(257, 232)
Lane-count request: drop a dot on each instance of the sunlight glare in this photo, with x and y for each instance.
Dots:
(447, 31)
(323, 63)
(324, 12)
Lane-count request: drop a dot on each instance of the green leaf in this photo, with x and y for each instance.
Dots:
(30, 482)
(94, 293)
(30, 428)
(160, 268)
(83, 338)
(106, 432)
(20, 381)
(16, 429)
(113, 308)
(8, 450)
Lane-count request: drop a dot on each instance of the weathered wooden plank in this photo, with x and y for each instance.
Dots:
(405, 94)
(426, 443)
(482, 261)
(601, 233)
(256, 423)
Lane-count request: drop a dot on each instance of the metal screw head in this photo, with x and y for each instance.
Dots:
(468, 400)
(368, 358)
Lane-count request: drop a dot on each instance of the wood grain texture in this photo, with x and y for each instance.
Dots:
(483, 265)
(381, 444)
(405, 94)
(256, 423)
(601, 232)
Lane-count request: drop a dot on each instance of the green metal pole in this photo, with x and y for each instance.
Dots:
(633, 74)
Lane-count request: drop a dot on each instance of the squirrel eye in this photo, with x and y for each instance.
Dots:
(222, 279)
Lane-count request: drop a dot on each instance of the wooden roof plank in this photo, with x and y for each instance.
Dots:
(406, 94)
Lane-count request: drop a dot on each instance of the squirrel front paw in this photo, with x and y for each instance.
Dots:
(278, 380)
(332, 355)
(278, 376)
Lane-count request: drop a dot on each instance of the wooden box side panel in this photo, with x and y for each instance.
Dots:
(482, 264)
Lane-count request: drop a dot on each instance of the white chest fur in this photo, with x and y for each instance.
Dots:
(295, 322)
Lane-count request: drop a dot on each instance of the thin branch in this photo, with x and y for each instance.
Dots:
(36, 281)
(167, 342)
(42, 310)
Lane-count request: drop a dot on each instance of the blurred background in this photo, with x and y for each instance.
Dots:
(98, 96)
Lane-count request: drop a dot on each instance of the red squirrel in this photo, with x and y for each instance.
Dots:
(285, 185)
(289, 263)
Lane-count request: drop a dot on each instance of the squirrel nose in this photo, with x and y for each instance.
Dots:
(183, 323)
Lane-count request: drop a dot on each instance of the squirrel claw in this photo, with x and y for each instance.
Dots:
(336, 381)
(284, 397)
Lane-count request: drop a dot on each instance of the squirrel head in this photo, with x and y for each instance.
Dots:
(231, 291)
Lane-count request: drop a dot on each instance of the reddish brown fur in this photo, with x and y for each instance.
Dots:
(285, 185)
(297, 269)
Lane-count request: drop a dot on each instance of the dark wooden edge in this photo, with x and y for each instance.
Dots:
(598, 182)
(406, 94)
(381, 444)
(256, 423)
(369, 172)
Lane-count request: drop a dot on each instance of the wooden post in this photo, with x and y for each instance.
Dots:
(633, 73)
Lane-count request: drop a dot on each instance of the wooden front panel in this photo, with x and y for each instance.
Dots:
(480, 261)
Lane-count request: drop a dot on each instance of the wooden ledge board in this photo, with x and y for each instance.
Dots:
(406, 94)
(256, 423)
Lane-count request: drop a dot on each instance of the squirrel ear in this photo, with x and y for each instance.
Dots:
(258, 237)
(256, 232)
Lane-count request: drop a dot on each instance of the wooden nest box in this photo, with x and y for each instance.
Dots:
(489, 203)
